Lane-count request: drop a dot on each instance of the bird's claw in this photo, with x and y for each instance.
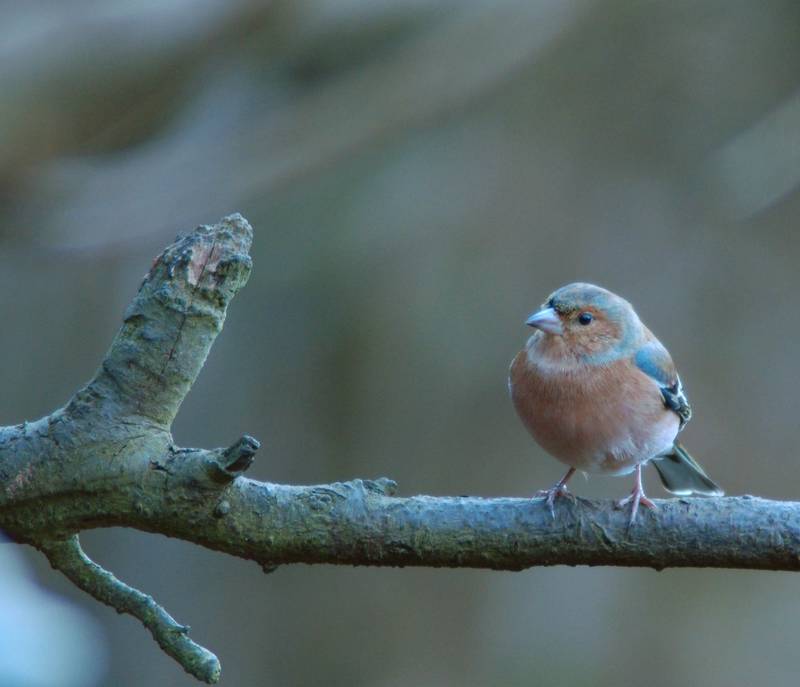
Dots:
(550, 495)
(636, 498)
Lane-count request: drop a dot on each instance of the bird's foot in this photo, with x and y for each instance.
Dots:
(637, 497)
(551, 494)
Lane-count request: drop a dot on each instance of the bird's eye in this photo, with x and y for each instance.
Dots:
(585, 318)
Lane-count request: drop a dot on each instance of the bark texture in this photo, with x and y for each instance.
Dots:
(108, 459)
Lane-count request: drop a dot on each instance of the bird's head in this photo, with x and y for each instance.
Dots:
(587, 322)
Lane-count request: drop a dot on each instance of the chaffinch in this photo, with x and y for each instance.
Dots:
(599, 392)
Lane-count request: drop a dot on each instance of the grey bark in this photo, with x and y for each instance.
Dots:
(108, 459)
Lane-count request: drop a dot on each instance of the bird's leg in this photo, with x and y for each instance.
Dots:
(558, 489)
(636, 497)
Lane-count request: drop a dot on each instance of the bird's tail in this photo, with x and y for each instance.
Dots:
(682, 475)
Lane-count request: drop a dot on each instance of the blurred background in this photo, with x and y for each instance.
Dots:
(420, 175)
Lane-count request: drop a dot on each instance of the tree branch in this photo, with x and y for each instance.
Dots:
(67, 556)
(108, 459)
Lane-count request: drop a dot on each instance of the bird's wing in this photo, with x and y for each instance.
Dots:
(654, 360)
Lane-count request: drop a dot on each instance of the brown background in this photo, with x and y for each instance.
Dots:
(419, 175)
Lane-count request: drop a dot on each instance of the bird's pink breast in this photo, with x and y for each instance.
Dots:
(597, 418)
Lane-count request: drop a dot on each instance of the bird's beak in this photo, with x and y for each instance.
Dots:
(547, 320)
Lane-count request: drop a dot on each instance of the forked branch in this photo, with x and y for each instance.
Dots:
(108, 459)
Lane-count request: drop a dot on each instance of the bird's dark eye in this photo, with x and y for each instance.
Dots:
(585, 318)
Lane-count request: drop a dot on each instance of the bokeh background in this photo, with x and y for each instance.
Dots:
(420, 175)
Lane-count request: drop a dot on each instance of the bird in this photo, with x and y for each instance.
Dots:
(599, 392)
